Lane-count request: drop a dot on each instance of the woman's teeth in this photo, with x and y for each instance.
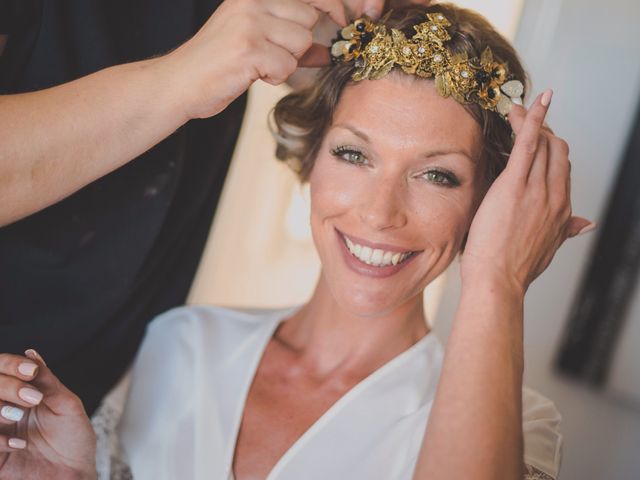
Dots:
(375, 256)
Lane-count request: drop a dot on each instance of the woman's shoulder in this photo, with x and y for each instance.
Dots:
(191, 334)
(541, 430)
(211, 314)
(197, 320)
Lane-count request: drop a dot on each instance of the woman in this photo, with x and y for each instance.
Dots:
(402, 174)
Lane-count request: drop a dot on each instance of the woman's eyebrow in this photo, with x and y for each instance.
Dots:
(354, 130)
(442, 153)
(434, 153)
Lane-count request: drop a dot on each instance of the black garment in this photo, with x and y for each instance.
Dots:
(80, 280)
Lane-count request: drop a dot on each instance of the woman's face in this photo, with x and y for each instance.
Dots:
(394, 188)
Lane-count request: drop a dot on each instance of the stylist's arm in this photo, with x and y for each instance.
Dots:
(55, 141)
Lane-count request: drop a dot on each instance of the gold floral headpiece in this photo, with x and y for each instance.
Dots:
(375, 52)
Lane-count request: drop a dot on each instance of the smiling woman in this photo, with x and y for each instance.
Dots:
(396, 202)
(405, 173)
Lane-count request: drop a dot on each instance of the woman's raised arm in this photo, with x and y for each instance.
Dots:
(475, 426)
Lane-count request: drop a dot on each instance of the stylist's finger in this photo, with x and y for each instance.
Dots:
(275, 64)
(358, 8)
(288, 35)
(294, 10)
(372, 8)
(526, 143)
(333, 8)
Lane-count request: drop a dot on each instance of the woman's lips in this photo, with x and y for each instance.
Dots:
(403, 257)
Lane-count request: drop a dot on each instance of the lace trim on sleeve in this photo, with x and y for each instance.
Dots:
(532, 473)
(110, 461)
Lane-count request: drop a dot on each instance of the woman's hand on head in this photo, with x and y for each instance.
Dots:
(44, 430)
(526, 214)
(244, 41)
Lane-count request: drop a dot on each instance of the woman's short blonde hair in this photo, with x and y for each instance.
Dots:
(300, 119)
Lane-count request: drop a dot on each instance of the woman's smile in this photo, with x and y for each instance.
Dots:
(373, 259)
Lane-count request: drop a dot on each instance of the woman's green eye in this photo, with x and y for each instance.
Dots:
(353, 157)
(436, 177)
(349, 155)
(441, 178)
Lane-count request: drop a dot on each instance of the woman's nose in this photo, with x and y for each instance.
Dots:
(384, 207)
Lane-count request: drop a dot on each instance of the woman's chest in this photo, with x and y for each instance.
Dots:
(277, 414)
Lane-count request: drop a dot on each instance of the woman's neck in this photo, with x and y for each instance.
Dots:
(327, 340)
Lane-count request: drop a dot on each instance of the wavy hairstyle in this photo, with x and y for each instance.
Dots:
(300, 119)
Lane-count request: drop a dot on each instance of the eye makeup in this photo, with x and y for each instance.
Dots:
(435, 175)
(349, 154)
(442, 177)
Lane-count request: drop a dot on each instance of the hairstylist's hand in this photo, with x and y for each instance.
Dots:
(244, 41)
(374, 8)
(526, 214)
(44, 430)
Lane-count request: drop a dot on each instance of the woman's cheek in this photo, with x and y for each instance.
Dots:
(442, 215)
(335, 187)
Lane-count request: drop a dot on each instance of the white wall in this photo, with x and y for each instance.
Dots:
(588, 52)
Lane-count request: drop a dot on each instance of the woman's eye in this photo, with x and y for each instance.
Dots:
(441, 178)
(350, 155)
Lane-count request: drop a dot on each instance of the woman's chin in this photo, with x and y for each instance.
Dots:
(367, 303)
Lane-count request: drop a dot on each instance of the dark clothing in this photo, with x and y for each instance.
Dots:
(80, 280)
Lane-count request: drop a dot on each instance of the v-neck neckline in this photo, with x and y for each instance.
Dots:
(332, 411)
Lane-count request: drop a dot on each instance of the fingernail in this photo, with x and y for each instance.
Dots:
(27, 369)
(14, 414)
(30, 395)
(587, 229)
(17, 443)
(33, 355)
(545, 100)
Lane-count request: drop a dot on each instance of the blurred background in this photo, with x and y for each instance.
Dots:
(582, 328)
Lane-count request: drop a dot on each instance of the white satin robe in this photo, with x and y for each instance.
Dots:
(190, 382)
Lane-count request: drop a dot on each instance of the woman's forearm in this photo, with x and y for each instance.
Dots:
(55, 141)
(475, 425)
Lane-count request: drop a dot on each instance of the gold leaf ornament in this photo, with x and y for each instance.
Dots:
(376, 51)
(442, 85)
